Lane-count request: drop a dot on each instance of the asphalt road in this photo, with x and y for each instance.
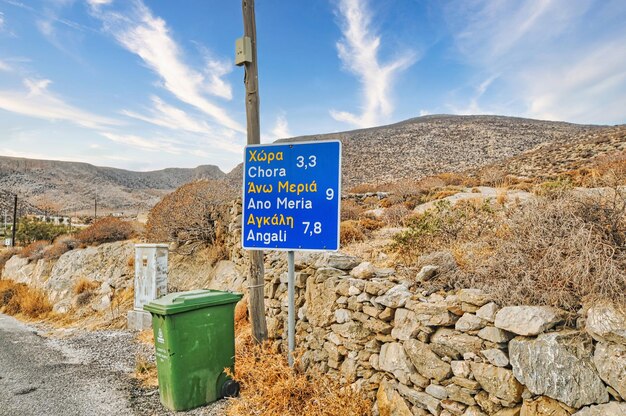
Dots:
(38, 378)
(74, 372)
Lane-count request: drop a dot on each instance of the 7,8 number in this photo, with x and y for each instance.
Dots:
(301, 163)
(317, 227)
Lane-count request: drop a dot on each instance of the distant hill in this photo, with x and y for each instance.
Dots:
(72, 187)
(411, 149)
(425, 146)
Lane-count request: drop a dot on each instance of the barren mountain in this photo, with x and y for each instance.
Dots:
(587, 150)
(428, 145)
(73, 187)
(411, 149)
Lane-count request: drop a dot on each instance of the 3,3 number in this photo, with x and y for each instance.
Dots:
(302, 162)
(316, 229)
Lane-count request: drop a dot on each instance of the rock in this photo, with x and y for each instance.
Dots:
(544, 406)
(486, 404)
(610, 361)
(444, 259)
(474, 297)
(405, 325)
(387, 314)
(465, 382)
(488, 312)
(432, 314)
(348, 370)
(558, 365)
(337, 261)
(605, 322)
(426, 273)
(342, 316)
(393, 359)
(421, 399)
(495, 335)
(320, 299)
(389, 401)
(474, 411)
(496, 357)
(426, 362)
(460, 368)
(527, 320)
(324, 273)
(498, 381)
(609, 409)
(364, 270)
(438, 392)
(469, 322)
(226, 276)
(351, 330)
(453, 407)
(460, 394)
(454, 344)
(395, 297)
(508, 412)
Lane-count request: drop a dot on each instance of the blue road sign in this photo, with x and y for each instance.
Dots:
(291, 196)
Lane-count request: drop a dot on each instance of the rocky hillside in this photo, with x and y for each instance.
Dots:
(6, 205)
(589, 149)
(70, 187)
(428, 145)
(411, 149)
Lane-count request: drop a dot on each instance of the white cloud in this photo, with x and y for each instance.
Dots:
(152, 145)
(554, 59)
(38, 102)
(281, 128)
(165, 115)
(4, 66)
(149, 37)
(358, 51)
(1, 20)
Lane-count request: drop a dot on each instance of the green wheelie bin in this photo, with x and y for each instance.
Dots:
(194, 338)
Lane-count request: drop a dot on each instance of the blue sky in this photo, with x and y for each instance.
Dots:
(145, 85)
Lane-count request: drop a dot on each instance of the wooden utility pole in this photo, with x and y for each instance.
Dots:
(256, 278)
(14, 221)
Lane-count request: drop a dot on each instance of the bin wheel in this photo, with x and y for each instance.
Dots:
(230, 388)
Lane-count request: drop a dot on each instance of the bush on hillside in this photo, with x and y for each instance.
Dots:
(106, 230)
(19, 299)
(34, 251)
(193, 216)
(30, 230)
(561, 250)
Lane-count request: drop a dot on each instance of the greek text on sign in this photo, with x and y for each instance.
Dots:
(291, 196)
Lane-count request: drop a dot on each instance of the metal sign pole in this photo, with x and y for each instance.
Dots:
(291, 329)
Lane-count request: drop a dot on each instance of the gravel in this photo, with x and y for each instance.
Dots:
(99, 364)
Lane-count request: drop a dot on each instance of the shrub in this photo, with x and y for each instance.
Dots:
(350, 232)
(560, 251)
(270, 387)
(351, 210)
(61, 245)
(19, 299)
(194, 216)
(30, 230)
(106, 230)
(395, 215)
(84, 285)
(34, 251)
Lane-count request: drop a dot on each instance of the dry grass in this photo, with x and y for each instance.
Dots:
(35, 250)
(22, 300)
(269, 387)
(350, 232)
(107, 230)
(84, 285)
(562, 250)
(351, 210)
(146, 372)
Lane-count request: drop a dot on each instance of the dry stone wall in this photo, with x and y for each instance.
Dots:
(456, 353)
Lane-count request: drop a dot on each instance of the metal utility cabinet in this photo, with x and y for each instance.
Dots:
(194, 338)
(150, 281)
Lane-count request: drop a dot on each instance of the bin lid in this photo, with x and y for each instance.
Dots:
(187, 301)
